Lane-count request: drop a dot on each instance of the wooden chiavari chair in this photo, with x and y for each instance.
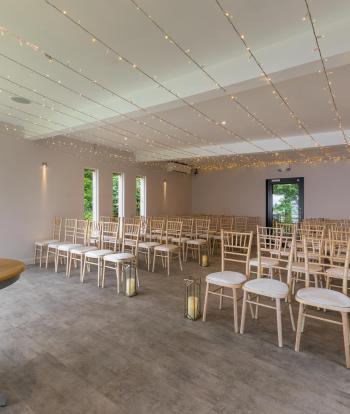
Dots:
(41, 246)
(70, 228)
(94, 235)
(226, 224)
(154, 238)
(275, 245)
(79, 241)
(169, 250)
(201, 241)
(110, 243)
(235, 248)
(336, 255)
(128, 255)
(267, 237)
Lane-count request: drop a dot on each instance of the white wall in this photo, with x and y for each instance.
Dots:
(28, 204)
(243, 191)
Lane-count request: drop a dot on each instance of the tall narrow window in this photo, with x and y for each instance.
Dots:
(90, 194)
(117, 195)
(141, 196)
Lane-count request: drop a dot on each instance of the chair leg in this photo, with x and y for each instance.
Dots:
(168, 263)
(118, 276)
(244, 311)
(41, 256)
(279, 322)
(235, 310)
(69, 264)
(47, 258)
(291, 315)
(186, 253)
(99, 272)
(257, 308)
(56, 262)
(221, 298)
(84, 269)
(205, 303)
(148, 258)
(154, 259)
(345, 320)
(299, 327)
(199, 254)
(103, 273)
(180, 262)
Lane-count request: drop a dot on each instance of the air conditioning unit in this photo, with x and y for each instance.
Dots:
(178, 167)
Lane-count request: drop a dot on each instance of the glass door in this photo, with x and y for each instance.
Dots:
(284, 200)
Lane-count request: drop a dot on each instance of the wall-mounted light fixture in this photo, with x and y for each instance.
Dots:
(165, 184)
(44, 164)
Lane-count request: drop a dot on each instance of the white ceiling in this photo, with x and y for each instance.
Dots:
(170, 106)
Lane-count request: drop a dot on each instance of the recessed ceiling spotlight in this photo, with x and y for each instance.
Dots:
(223, 122)
(21, 100)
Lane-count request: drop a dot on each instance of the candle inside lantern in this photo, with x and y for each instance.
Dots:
(205, 260)
(130, 288)
(192, 307)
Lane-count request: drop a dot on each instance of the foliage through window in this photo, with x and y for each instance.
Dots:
(116, 193)
(140, 196)
(286, 203)
(88, 194)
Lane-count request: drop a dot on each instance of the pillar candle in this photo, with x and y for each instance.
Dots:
(130, 287)
(192, 307)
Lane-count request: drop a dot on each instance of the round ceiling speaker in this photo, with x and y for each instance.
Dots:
(21, 100)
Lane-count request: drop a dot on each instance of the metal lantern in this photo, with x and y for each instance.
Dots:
(130, 280)
(205, 260)
(192, 299)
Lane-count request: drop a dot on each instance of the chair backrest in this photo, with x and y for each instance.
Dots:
(272, 243)
(108, 218)
(70, 230)
(57, 227)
(236, 247)
(240, 224)
(335, 256)
(131, 235)
(226, 223)
(109, 235)
(214, 225)
(81, 235)
(202, 228)
(173, 230)
(94, 232)
(187, 226)
(156, 229)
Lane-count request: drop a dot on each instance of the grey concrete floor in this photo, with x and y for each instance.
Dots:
(72, 348)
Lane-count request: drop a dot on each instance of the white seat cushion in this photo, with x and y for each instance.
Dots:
(324, 298)
(197, 242)
(166, 247)
(226, 278)
(56, 244)
(148, 245)
(68, 247)
(119, 257)
(45, 242)
(337, 272)
(267, 287)
(95, 254)
(83, 249)
(265, 262)
(182, 240)
(300, 267)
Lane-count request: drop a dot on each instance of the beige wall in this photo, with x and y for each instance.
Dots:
(28, 205)
(242, 191)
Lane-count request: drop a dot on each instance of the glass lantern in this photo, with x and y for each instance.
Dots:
(130, 280)
(192, 299)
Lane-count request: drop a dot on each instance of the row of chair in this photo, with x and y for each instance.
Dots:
(282, 263)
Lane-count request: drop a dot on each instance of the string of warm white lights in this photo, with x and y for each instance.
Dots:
(96, 39)
(328, 81)
(187, 54)
(138, 135)
(48, 130)
(52, 108)
(266, 76)
(80, 73)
